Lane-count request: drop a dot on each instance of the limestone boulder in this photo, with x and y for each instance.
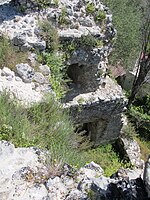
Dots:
(25, 72)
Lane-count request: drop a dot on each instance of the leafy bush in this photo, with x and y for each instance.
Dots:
(89, 41)
(50, 35)
(9, 55)
(62, 17)
(58, 74)
(43, 3)
(90, 8)
(140, 116)
(127, 21)
(100, 15)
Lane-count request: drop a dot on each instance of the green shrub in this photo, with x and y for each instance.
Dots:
(43, 3)
(90, 8)
(50, 35)
(9, 55)
(139, 114)
(89, 41)
(62, 17)
(22, 8)
(100, 15)
(58, 76)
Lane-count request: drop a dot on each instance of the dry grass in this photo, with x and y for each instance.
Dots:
(145, 148)
(10, 55)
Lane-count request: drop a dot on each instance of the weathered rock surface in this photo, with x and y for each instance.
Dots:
(20, 168)
(100, 111)
(131, 150)
(21, 87)
(24, 176)
(146, 176)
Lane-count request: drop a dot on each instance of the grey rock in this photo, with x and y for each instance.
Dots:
(130, 148)
(39, 78)
(33, 59)
(18, 78)
(19, 39)
(4, 2)
(76, 195)
(44, 69)
(9, 78)
(39, 45)
(26, 47)
(7, 72)
(25, 72)
(146, 176)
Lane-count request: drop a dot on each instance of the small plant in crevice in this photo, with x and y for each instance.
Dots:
(100, 16)
(63, 16)
(22, 8)
(90, 8)
(89, 41)
(50, 35)
(42, 4)
(58, 77)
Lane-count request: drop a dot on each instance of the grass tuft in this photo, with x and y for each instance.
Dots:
(9, 55)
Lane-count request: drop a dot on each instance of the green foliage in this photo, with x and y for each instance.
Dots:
(56, 2)
(100, 15)
(5, 132)
(22, 8)
(58, 76)
(43, 125)
(62, 17)
(47, 126)
(90, 8)
(140, 116)
(144, 147)
(50, 35)
(81, 100)
(89, 41)
(127, 21)
(53, 59)
(9, 56)
(43, 3)
(104, 156)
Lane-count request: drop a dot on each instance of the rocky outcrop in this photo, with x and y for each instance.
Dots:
(25, 85)
(85, 29)
(130, 150)
(24, 175)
